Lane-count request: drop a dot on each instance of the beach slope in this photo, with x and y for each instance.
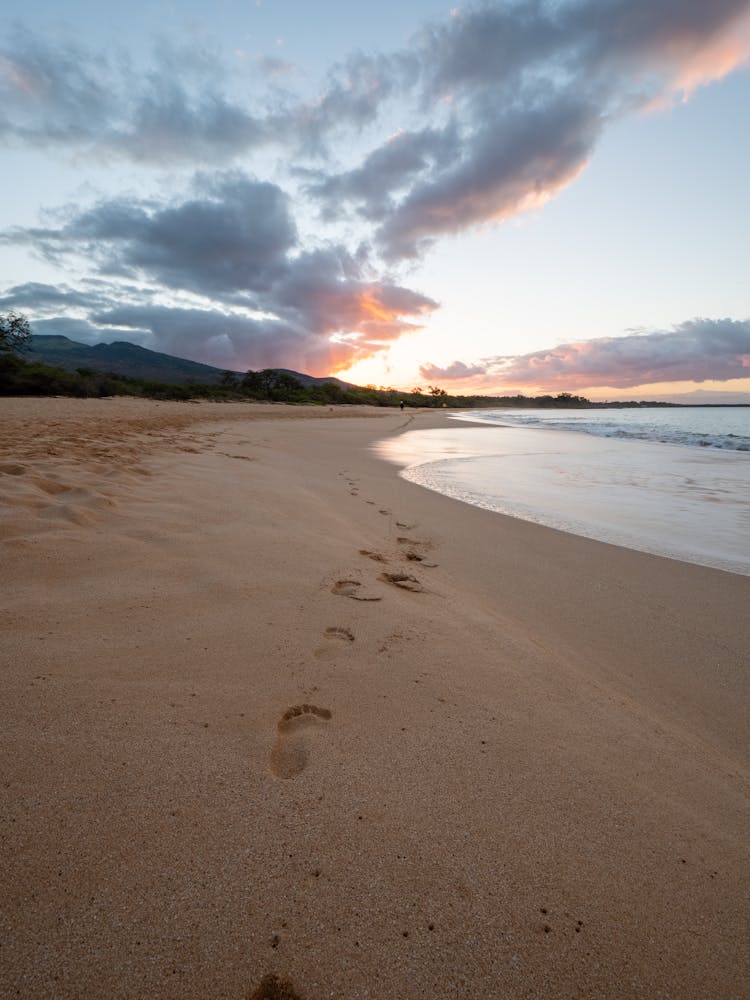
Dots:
(270, 709)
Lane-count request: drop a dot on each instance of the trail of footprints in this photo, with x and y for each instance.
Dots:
(409, 551)
(301, 725)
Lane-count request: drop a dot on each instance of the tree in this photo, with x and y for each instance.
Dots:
(436, 391)
(252, 383)
(283, 382)
(15, 332)
(270, 384)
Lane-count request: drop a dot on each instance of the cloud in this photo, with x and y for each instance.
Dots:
(513, 163)
(220, 338)
(234, 341)
(524, 90)
(43, 297)
(233, 235)
(505, 103)
(457, 370)
(697, 350)
(181, 108)
(51, 95)
(507, 45)
(499, 107)
(387, 170)
(324, 290)
(352, 97)
(65, 95)
(233, 242)
(85, 332)
(493, 58)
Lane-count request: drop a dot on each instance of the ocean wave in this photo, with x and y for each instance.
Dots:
(627, 425)
(692, 439)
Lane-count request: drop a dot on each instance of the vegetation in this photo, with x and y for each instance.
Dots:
(22, 377)
(15, 332)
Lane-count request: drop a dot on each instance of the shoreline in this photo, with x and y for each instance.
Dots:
(649, 496)
(238, 748)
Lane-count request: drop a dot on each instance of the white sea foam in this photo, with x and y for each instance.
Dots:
(688, 503)
(726, 428)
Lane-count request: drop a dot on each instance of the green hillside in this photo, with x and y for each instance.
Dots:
(123, 358)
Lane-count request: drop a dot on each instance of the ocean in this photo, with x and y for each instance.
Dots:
(674, 482)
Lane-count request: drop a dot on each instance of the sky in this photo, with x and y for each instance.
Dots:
(534, 196)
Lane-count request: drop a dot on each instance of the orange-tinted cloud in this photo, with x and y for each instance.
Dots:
(532, 87)
(502, 107)
(457, 371)
(701, 61)
(695, 351)
(232, 242)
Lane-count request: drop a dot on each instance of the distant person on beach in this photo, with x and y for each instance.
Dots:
(401, 404)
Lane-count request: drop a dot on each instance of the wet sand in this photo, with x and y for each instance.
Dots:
(270, 709)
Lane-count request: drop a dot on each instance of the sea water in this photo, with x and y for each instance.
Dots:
(673, 481)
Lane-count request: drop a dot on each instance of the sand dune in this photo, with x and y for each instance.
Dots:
(273, 715)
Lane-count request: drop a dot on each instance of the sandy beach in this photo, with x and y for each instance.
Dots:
(270, 710)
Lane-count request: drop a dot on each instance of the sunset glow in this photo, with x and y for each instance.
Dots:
(494, 196)
(373, 309)
(715, 59)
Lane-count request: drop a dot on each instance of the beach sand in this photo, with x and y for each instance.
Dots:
(268, 709)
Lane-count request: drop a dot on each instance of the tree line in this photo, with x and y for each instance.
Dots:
(20, 376)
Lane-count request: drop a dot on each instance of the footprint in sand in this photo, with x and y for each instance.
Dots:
(403, 580)
(244, 458)
(296, 729)
(412, 556)
(351, 588)
(336, 638)
(338, 632)
(50, 486)
(375, 556)
(271, 987)
(415, 544)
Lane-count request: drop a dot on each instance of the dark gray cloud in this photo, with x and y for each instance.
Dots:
(233, 235)
(52, 94)
(43, 297)
(514, 162)
(386, 171)
(530, 86)
(177, 111)
(696, 350)
(234, 241)
(506, 48)
(543, 75)
(180, 109)
(502, 105)
(352, 96)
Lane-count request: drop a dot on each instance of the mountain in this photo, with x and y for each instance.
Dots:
(137, 362)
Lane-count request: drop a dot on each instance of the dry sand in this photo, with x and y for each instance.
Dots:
(268, 709)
